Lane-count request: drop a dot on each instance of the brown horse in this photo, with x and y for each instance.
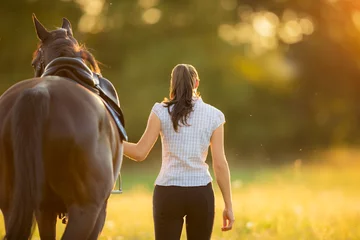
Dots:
(60, 150)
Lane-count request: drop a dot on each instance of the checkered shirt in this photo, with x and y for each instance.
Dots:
(184, 152)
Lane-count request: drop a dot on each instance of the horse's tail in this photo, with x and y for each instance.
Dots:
(29, 114)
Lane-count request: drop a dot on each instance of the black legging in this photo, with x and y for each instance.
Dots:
(172, 203)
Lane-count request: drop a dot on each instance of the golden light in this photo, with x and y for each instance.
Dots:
(307, 26)
(257, 48)
(244, 32)
(289, 15)
(293, 28)
(269, 43)
(261, 32)
(291, 32)
(91, 7)
(278, 66)
(226, 32)
(91, 20)
(265, 24)
(88, 23)
(356, 19)
(151, 16)
(245, 13)
(148, 3)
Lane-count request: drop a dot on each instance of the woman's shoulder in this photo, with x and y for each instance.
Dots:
(160, 105)
(158, 108)
(216, 115)
(212, 109)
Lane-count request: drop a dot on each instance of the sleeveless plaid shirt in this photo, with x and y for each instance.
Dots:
(184, 152)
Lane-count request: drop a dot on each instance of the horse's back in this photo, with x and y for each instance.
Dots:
(79, 143)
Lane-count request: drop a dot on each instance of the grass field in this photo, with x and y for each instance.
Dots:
(287, 203)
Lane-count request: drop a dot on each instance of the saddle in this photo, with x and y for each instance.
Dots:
(76, 70)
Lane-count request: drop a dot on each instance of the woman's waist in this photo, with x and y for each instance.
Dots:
(183, 179)
(194, 165)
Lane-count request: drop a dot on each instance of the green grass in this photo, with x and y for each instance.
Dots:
(287, 203)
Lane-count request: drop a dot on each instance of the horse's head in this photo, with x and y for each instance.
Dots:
(58, 43)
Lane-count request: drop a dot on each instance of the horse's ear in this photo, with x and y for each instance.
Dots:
(67, 25)
(41, 31)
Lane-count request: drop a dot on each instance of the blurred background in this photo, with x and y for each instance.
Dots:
(284, 72)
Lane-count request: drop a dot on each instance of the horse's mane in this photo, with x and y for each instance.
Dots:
(66, 47)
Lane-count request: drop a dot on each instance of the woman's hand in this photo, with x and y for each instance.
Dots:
(228, 220)
(222, 174)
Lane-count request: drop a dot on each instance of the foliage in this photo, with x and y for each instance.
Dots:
(284, 72)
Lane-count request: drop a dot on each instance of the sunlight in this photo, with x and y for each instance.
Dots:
(244, 32)
(279, 67)
(91, 7)
(293, 28)
(226, 32)
(269, 43)
(91, 20)
(261, 31)
(291, 32)
(256, 47)
(88, 23)
(356, 19)
(307, 26)
(151, 16)
(289, 15)
(245, 13)
(265, 24)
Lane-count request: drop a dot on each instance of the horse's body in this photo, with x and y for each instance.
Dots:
(60, 152)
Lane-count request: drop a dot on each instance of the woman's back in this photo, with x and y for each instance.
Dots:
(184, 152)
(183, 189)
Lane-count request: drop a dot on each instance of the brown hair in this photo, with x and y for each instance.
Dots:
(182, 86)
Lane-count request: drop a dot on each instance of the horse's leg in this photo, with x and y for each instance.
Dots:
(82, 220)
(46, 221)
(99, 224)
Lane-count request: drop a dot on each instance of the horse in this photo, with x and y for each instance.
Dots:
(60, 148)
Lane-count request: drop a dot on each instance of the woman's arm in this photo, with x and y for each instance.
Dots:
(222, 174)
(139, 151)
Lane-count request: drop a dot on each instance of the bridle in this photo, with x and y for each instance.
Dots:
(38, 63)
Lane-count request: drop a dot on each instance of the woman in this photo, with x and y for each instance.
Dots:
(183, 187)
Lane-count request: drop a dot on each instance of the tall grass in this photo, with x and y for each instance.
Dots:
(287, 203)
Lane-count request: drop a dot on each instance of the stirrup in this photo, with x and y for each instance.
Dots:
(119, 190)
